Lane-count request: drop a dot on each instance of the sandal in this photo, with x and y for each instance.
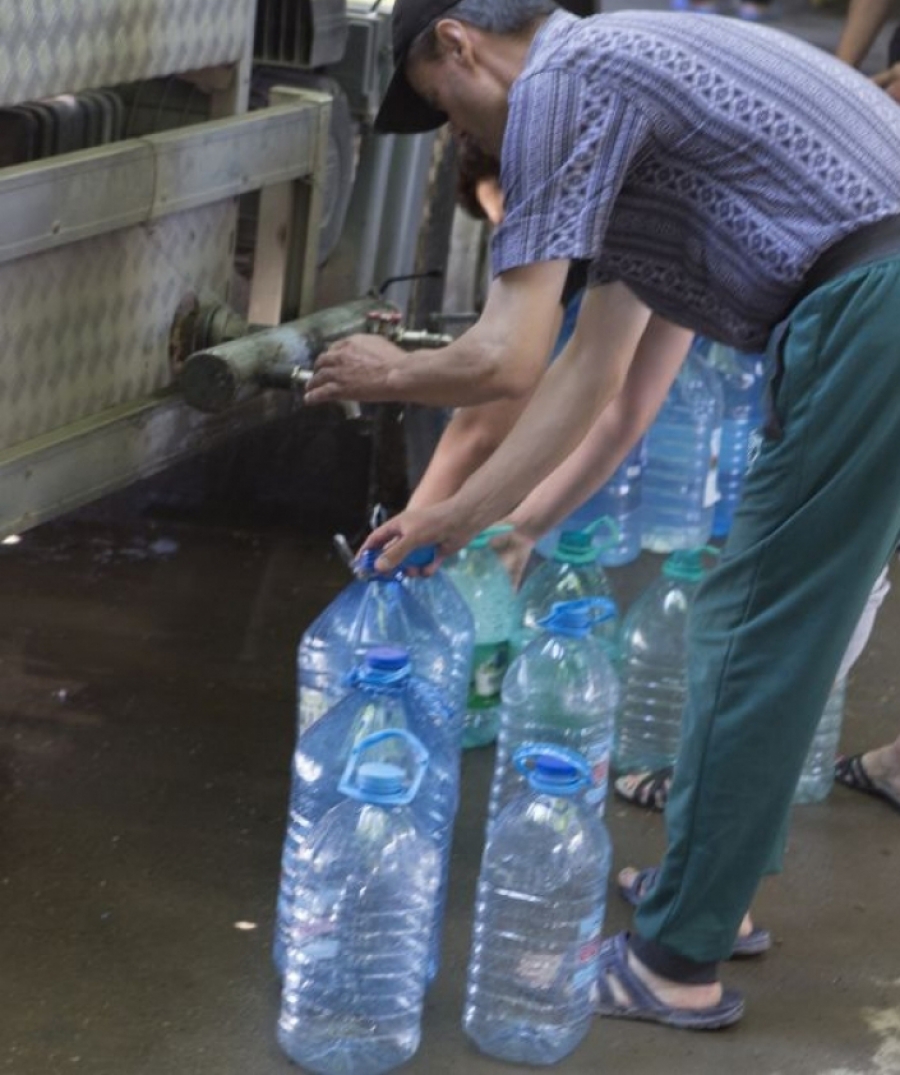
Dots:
(645, 1005)
(851, 772)
(755, 943)
(651, 791)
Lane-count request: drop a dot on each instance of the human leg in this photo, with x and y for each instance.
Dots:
(820, 514)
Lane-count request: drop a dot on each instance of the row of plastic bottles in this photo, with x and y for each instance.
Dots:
(652, 663)
(375, 788)
(681, 484)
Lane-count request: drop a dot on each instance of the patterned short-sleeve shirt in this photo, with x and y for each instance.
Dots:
(704, 162)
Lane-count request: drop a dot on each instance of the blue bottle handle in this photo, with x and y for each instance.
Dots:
(529, 751)
(419, 758)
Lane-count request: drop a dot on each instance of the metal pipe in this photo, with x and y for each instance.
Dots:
(221, 376)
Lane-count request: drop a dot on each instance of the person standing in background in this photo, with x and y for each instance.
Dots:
(865, 20)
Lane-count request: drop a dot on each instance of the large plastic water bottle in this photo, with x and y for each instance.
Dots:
(681, 471)
(353, 991)
(572, 573)
(450, 612)
(653, 666)
(817, 777)
(618, 500)
(562, 689)
(481, 578)
(538, 915)
(374, 610)
(383, 696)
(742, 378)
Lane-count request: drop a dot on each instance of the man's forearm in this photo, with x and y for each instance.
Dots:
(584, 380)
(613, 434)
(470, 438)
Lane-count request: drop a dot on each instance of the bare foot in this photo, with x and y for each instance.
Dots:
(883, 766)
(675, 994)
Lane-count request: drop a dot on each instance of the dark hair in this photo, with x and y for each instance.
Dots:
(494, 16)
(473, 165)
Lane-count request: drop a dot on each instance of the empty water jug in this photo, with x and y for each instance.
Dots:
(360, 924)
(653, 666)
(571, 573)
(680, 482)
(538, 915)
(562, 689)
(481, 578)
(383, 696)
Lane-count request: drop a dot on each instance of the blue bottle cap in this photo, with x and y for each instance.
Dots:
(686, 565)
(576, 618)
(387, 658)
(380, 779)
(421, 557)
(552, 769)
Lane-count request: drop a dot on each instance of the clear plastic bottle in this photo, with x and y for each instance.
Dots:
(374, 610)
(538, 915)
(572, 573)
(742, 379)
(438, 594)
(562, 689)
(817, 776)
(383, 696)
(354, 987)
(620, 501)
(681, 471)
(653, 666)
(481, 578)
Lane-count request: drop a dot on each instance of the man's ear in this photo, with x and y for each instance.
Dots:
(455, 40)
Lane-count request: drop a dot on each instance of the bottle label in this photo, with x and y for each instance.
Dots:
(313, 705)
(588, 951)
(754, 448)
(539, 970)
(489, 665)
(598, 760)
(711, 489)
(313, 926)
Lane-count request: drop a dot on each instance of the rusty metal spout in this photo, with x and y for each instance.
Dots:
(224, 374)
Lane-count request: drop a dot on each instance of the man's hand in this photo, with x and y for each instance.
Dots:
(514, 549)
(357, 368)
(443, 525)
(889, 81)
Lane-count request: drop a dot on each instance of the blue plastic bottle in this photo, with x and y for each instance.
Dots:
(572, 573)
(653, 666)
(681, 472)
(384, 696)
(374, 610)
(562, 689)
(619, 500)
(742, 377)
(353, 992)
(440, 597)
(481, 578)
(538, 915)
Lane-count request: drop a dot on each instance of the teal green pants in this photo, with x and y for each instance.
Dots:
(819, 517)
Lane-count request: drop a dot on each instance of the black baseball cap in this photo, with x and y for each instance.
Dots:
(403, 111)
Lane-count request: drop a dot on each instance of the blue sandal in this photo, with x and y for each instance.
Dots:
(644, 1005)
(755, 943)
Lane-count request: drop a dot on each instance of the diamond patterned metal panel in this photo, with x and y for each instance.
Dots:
(86, 327)
(50, 47)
